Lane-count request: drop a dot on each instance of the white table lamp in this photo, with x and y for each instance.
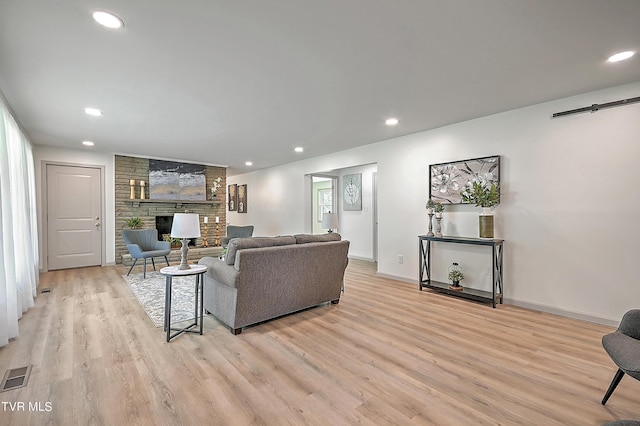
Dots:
(185, 226)
(330, 221)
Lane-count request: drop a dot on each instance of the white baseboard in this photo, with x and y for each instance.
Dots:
(396, 278)
(366, 259)
(563, 312)
(533, 306)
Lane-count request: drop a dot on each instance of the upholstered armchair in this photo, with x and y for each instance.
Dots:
(237, 232)
(144, 244)
(623, 346)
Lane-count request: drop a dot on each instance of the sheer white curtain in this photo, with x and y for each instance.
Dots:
(18, 223)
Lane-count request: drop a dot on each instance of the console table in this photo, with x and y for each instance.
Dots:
(495, 295)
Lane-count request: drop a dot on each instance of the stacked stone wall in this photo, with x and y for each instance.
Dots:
(137, 169)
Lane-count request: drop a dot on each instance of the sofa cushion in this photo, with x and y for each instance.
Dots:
(255, 242)
(319, 238)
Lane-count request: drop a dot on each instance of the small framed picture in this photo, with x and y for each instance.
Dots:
(242, 198)
(233, 197)
(352, 192)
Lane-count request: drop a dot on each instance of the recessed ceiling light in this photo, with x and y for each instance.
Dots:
(391, 121)
(87, 143)
(93, 111)
(621, 56)
(107, 19)
(248, 163)
(298, 149)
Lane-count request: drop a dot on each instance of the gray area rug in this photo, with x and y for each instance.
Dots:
(150, 294)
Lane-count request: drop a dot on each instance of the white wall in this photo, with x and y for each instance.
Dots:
(43, 154)
(279, 198)
(357, 226)
(569, 213)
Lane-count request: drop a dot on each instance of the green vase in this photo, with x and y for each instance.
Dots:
(486, 226)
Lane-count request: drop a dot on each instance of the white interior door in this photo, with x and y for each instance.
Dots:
(74, 231)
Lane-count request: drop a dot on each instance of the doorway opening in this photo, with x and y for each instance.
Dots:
(323, 200)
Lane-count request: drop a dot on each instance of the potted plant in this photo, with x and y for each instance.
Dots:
(485, 194)
(438, 208)
(455, 276)
(481, 193)
(431, 206)
(223, 253)
(134, 223)
(175, 242)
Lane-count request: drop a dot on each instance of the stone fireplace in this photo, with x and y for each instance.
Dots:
(158, 213)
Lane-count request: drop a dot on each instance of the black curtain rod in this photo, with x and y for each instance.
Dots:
(596, 107)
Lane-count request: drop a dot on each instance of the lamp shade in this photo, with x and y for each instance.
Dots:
(185, 225)
(330, 221)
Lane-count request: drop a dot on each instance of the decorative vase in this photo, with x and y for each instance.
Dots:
(438, 225)
(486, 223)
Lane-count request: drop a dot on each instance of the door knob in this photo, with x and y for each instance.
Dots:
(97, 224)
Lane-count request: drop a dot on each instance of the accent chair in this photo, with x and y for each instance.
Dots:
(623, 346)
(144, 244)
(237, 232)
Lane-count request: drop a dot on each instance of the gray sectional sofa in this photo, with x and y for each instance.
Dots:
(263, 278)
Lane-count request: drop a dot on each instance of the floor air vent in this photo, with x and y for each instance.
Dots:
(45, 290)
(15, 378)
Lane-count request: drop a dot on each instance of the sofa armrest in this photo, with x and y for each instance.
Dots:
(219, 271)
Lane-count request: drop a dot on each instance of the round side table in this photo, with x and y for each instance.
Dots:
(172, 271)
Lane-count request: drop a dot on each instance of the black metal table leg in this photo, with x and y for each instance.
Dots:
(167, 307)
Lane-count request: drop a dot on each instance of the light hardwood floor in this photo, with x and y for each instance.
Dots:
(386, 354)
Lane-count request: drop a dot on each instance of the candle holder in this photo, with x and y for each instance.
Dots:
(205, 241)
(132, 183)
(217, 241)
(430, 213)
(439, 224)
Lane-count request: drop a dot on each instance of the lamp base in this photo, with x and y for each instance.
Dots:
(183, 255)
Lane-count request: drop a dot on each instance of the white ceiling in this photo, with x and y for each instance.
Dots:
(226, 81)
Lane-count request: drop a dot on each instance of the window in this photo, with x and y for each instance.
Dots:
(325, 202)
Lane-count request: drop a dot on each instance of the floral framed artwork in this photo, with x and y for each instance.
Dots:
(352, 192)
(233, 197)
(447, 180)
